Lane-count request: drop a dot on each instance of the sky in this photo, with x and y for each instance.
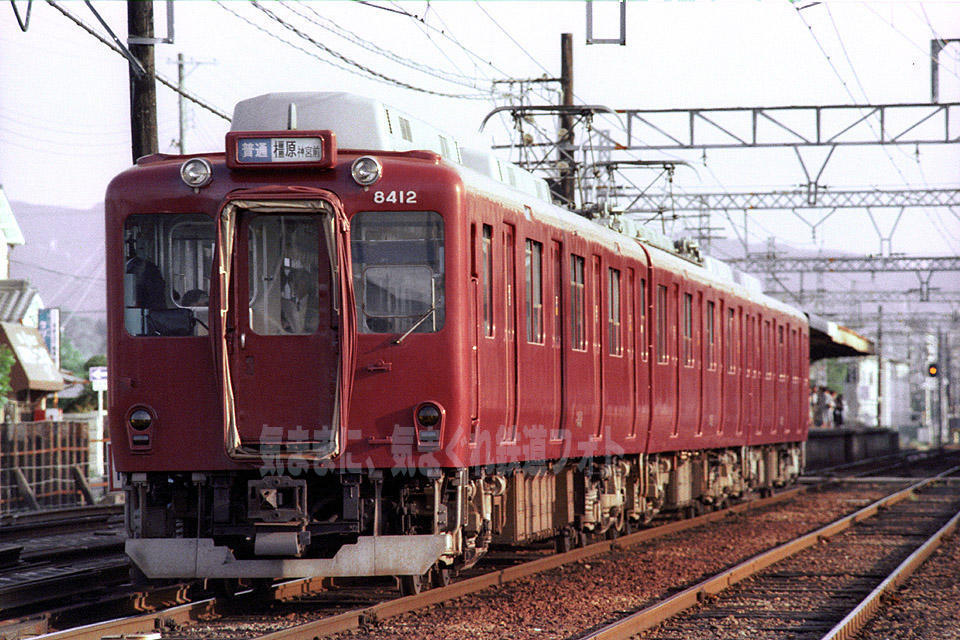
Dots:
(64, 115)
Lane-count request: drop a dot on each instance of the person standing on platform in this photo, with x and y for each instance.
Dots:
(820, 408)
(838, 411)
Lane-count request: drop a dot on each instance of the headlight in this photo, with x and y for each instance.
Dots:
(366, 170)
(196, 172)
(428, 415)
(141, 419)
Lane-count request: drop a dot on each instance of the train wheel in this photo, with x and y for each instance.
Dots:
(441, 576)
(138, 578)
(224, 587)
(411, 585)
(563, 541)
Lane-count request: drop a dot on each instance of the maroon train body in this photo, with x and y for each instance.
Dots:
(332, 357)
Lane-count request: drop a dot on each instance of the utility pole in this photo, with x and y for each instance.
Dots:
(568, 171)
(182, 73)
(180, 102)
(143, 88)
(880, 367)
(943, 370)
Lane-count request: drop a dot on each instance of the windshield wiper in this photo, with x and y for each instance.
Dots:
(416, 324)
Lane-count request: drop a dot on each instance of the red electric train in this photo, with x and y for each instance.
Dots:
(346, 347)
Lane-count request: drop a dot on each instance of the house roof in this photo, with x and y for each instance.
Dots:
(8, 223)
(15, 299)
(34, 368)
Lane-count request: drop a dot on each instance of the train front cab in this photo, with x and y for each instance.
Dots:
(244, 460)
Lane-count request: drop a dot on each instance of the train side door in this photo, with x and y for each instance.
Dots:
(556, 254)
(283, 335)
(665, 363)
(596, 316)
(510, 332)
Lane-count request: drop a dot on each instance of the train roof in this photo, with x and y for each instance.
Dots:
(388, 129)
(706, 270)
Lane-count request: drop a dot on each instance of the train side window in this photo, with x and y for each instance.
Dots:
(781, 356)
(577, 326)
(711, 340)
(642, 323)
(486, 269)
(557, 294)
(166, 284)
(687, 329)
(662, 355)
(768, 352)
(534, 293)
(728, 341)
(613, 307)
(398, 271)
(749, 346)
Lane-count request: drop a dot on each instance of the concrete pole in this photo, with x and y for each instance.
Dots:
(568, 185)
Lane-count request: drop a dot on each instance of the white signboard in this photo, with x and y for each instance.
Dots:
(279, 150)
(98, 378)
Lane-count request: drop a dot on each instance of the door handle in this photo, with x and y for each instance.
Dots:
(379, 365)
(243, 340)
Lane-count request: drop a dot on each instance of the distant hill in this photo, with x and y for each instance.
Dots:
(63, 258)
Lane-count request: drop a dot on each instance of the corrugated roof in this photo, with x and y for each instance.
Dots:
(15, 299)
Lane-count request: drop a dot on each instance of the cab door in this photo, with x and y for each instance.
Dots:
(282, 331)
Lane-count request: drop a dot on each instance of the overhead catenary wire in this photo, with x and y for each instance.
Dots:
(853, 98)
(161, 79)
(925, 52)
(945, 231)
(329, 25)
(368, 70)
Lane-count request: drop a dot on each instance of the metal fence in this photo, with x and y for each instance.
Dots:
(44, 465)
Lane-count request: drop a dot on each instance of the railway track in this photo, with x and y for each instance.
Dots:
(825, 584)
(49, 559)
(307, 609)
(278, 614)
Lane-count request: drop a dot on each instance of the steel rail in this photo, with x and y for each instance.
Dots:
(350, 620)
(851, 624)
(353, 619)
(653, 615)
(180, 614)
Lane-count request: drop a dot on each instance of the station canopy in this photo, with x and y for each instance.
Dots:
(831, 340)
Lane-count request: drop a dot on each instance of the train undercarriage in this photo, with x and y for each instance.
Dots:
(425, 523)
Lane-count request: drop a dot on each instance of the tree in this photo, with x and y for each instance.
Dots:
(70, 357)
(87, 400)
(6, 364)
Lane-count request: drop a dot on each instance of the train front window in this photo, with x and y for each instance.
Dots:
(166, 283)
(398, 273)
(284, 264)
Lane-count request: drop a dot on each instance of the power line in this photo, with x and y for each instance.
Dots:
(879, 137)
(34, 265)
(162, 80)
(405, 85)
(944, 230)
(329, 25)
(926, 54)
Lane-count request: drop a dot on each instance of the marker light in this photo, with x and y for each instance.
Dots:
(428, 415)
(196, 172)
(141, 419)
(366, 170)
